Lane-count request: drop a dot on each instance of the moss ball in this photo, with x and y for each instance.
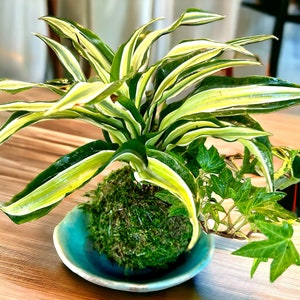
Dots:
(132, 227)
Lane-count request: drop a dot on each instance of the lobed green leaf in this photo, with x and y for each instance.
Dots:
(278, 247)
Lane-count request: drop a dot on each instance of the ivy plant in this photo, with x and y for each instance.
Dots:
(157, 118)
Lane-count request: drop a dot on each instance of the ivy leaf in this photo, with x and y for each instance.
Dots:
(214, 208)
(209, 159)
(222, 184)
(255, 265)
(242, 193)
(254, 202)
(278, 246)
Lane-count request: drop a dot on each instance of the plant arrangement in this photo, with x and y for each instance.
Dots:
(157, 119)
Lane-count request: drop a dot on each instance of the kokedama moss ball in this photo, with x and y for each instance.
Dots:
(133, 227)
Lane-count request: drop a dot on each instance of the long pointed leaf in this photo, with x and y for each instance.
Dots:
(242, 41)
(63, 177)
(122, 63)
(15, 86)
(239, 99)
(84, 92)
(161, 174)
(189, 46)
(84, 42)
(190, 17)
(124, 111)
(192, 76)
(25, 106)
(229, 133)
(264, 156)
(21, 119)
(66, 58)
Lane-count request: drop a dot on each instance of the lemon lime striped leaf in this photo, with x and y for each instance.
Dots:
(177, 71)
(96, 117)
(188, 46)
(122, 63)
(123, 110)
(67, 59)
(167, 75)
(25, 106)
(186, 64)
(236, 100)
(192, 76)
(176, 165)
(94, 39)
(184, 77)
(184, 132)
(21, 119)
(103, 75)
(221, 81)
(82, 38)
(241, 41)
(179, 128)
(63, 177)
(67, 174)
(117, 64)
(264, 155)
(86, 43)
(134, 153)
(16, 86)
(166, 172)
(250, 122)
(113, 126)
(225, 81)
(129, 105)
(194, 16)
(131, 56)
(190, 17)
(82, 93)
(229, 134)
(142, 84)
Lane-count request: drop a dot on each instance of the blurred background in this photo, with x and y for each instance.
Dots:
(24, 57)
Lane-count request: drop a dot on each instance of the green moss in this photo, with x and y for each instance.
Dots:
(133, 227)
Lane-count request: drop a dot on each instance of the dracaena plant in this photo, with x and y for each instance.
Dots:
(157, 117)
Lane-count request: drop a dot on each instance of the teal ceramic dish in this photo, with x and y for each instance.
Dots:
(76, 252)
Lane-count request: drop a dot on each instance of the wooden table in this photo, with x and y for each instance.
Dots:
(30, 267)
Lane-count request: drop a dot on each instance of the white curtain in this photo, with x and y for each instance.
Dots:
(22, 55)
(115, 20)
(223, 30)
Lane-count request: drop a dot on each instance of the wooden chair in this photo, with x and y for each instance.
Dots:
(279, 10)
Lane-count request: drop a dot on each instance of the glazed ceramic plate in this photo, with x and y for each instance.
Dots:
(76, 252)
